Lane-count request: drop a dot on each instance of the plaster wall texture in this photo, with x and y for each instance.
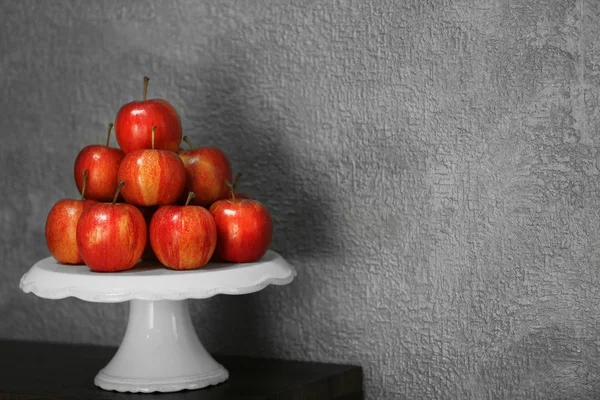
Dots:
(432, 168)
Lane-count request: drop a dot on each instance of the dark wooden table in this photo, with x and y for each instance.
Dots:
(31, 370)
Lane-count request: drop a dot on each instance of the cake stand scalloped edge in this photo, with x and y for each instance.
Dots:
(72, 291)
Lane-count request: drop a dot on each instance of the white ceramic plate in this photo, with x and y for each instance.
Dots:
(51, 280)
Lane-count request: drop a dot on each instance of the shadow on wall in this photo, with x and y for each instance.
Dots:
(235, 110)
(256, 131)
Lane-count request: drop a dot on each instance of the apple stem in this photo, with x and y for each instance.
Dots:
(232, 190)
(153, 132)
(236, 180)
(191, 195)
(85, 178)
(110, 126)
(146, 80)
(187, 140)
(118, 191)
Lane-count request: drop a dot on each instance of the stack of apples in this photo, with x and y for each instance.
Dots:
(152, 200)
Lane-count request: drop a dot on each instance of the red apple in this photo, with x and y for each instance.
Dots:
(183, 237)
(153, 177)
(207, 170)
(148, 212)
(244, 229)
(102, 164)
(134, 122)
(61, 227)
(111, 236)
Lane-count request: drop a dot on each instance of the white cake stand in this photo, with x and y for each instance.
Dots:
(160, 351)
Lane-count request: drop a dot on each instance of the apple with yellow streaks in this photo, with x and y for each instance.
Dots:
(61, 226)
(183, 237)
(153, 177)
(102, 164)
(207, 170)
(111, 236)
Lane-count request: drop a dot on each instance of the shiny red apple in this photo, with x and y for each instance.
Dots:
(134, 122)
(183, 237)
(244, 229)
(153, 177)
(207, 171)
(111, 236)
(102, 164)
(61, 227)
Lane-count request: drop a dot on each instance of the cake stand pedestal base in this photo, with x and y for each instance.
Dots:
(160, 352)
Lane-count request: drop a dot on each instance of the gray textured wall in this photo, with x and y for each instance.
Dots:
(431, 167)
